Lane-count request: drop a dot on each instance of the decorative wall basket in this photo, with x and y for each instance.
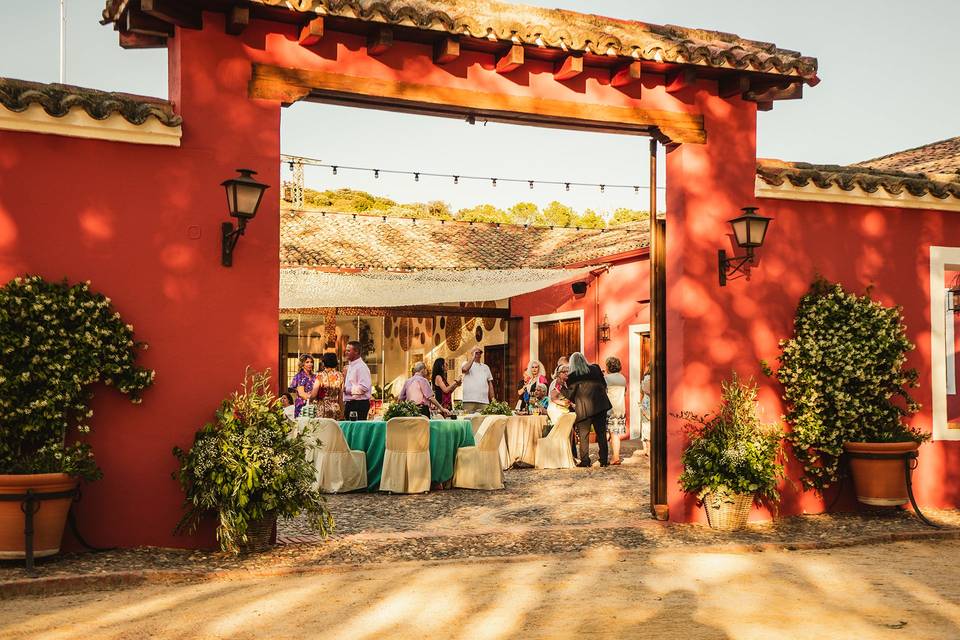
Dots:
(503, 324)
(436, 339)
(388, 326)
(452, 333)
(423, 339)
(443, 322)
(478, 334)
(428, 325)
(489, 323)
(330, 328)
(405, 334)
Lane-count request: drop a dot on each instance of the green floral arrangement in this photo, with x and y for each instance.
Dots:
(249, 465)
(384, 393)
(56, 341)
(402, 409)
(731, 451)
(844, 379)
(497, 409)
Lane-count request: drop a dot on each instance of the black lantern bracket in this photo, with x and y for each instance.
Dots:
(749, 232)
(244, 194)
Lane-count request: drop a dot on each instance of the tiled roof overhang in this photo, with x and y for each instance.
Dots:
(567, 31)
(847, 178)
(58, 100)
(941, 157)
(346, 241)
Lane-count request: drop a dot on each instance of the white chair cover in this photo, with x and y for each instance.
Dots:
(476, 420)
(479, 467)
(476, 424)
(553, 452)
(406, 460)
(338, 468)
(555, 411)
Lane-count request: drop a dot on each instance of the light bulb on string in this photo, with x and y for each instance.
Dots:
(456, 179)
(636, 189)
(568, 186)
(531, 183)
(416, 177)
(334, 169)
(493, 181)
(602, 188)
(376, 173)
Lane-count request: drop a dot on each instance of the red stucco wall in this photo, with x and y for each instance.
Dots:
(125, 216)
(621, 293)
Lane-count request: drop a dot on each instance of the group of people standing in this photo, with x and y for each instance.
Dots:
(476, 379)
(332, 392)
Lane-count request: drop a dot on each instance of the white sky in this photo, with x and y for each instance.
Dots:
(888, 70)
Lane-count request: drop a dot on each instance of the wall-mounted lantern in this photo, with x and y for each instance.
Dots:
(953, 295)
(604, 329)
(243, 199)
(749, 231)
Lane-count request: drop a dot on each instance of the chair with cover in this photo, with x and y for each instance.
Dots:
(338, 468)
(479, 466)
(406, 460)
(553, 451)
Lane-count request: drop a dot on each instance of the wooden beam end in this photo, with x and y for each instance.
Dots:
(446, 50)
(511, 60)
(680, 79)
(312, 32)
(626, 76)
(571, 67)
(379, 41)
(237, 20)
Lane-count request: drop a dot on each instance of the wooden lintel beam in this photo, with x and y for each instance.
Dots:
(146, 25)
(630, 74)
(287, 85)
(571, 67)
(174, 12)
(511, 60)
(133, 40)
(446, 50)
(790, 91)
(379, 41)
(680, 79)
(735, 86)
(312, 32)
(237, 20)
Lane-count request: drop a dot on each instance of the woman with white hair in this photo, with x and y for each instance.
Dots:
(533, 376)
(587, 390)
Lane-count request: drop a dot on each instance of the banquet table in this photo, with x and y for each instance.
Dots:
(446, 436)
(521, 437)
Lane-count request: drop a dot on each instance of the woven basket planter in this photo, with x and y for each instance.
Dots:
(727, 513)
(259, 534)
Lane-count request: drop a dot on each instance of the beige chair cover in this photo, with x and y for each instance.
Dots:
(555, 411)
(553, 452)
(338, 468)
(479, 467)
(476, 420)
(406, 461)
(476, 423)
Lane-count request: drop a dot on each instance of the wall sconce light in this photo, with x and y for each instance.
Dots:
(604, 329)
(749, 231)
(243, 198)
(579, 289)
(953, 295)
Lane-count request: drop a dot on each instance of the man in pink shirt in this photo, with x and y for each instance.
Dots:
(356, 384)
(418, 390)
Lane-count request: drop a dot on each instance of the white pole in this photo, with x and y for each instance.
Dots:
(63, 35)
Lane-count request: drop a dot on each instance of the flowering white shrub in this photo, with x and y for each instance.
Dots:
(56, 340)
(844, 379)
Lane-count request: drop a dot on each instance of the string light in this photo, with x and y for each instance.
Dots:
(456, 178)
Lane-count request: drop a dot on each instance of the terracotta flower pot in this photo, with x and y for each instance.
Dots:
(48, 521)
(879, 481)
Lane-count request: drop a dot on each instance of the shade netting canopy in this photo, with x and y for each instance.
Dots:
(302, 288)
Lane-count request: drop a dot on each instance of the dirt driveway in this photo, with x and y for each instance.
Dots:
(902, 590)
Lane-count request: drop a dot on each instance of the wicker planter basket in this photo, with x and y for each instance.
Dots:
(729, 512)
(259, 534)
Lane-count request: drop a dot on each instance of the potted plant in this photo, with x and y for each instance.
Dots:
(248, 468)
(56, 341)
(496, 408)
(732, 459)
(846, 388)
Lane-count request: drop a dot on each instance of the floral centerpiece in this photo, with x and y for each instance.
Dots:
(496, 408)
(247, 468)
(402, 409)
(732, 459)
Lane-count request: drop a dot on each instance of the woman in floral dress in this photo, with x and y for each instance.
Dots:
(330, 388)
(303, 384)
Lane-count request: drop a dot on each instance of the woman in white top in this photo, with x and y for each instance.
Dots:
(617, 416)
(557, 403)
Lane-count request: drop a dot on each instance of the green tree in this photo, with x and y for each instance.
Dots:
(624, 215)
(483, 213)
(590, 219)
(524, 213)
(555, 214)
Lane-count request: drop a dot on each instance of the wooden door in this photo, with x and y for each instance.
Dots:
(495, 356)
(555, 339)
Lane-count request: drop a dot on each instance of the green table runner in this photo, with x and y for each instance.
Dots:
(446, 436)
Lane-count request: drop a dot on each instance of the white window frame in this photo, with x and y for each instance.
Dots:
(941, 260)
(550, 317)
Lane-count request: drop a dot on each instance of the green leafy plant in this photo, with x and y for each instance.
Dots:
(844, 379)
(496, 409)
(731, 451)
(384, 393)
(56, 341)
(402, 409)
(248, 465)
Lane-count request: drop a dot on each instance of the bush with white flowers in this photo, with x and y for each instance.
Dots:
(844, 378)
(56, 341)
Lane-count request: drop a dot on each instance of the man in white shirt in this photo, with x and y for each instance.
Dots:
(356, 384)
(477, 383)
